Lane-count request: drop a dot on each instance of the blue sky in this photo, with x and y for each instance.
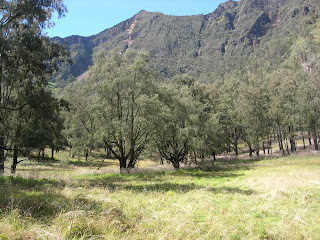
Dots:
(89, 17)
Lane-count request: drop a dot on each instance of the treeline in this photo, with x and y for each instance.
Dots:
(264, 92)
(125, 107)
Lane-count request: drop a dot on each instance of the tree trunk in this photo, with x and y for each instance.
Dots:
(87, 154)
(123, 163)
(279, 132)
(250, 150)
(281, 145)
(2, 156)
(108, 153)
(235, 141)
(214, 157)
(286, 144)
(316, 146)
(14, 160)
(176, 163)
(302, 134)
(131, 164)
(309, 138)
(52, 153)
(132, 160)
(257, 146)
(292, 139)
(270, 146)
(123, 166)
(176, 160)
(279, 140)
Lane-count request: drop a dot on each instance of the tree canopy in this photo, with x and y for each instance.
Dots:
(27, 60)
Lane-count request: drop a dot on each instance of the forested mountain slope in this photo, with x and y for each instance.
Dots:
(237, 36)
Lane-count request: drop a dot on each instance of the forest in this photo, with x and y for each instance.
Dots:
(259, 105)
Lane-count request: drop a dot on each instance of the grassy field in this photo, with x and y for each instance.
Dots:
(275, 198)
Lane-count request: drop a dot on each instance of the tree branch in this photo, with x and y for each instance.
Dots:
(14, 109)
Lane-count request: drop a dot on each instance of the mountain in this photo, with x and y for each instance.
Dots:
(209, 47)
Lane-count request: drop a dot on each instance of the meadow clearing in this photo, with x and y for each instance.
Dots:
(265, 198)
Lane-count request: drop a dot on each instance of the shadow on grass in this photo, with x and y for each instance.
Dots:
(28, 183)
(181, 181)
(56, 163)
(184, 188)
(234, 190)
(94, 164)
(40, 199)
(147, 178)
(233, 164)
(46, 161)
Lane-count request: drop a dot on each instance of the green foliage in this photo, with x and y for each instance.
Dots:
(248, 69)
(28, 112)
(124, 100)
(78, 120)
(177, 119)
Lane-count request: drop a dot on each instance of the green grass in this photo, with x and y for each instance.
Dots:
(276, 198)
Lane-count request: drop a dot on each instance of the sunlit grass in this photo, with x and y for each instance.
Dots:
(275, 198)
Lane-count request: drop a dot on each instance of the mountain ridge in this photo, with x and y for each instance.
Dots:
(191, 44)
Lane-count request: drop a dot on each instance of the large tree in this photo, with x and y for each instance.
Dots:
(179, 127)
(252, 114)
(35, 126)
(27, 57)
(125, 102)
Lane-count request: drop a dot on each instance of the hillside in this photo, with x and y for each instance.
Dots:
(205, 46)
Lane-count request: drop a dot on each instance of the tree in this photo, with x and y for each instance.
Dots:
(27, 57)
(79, 119)
(309, 102)
(283, 106)
(125, 101)
(178, 122)
(252, 111)
(215, 140)
(226, 112)
(36, 126)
